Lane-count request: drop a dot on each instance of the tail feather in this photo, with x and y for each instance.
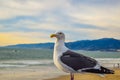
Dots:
(102, 70)
(106, 71)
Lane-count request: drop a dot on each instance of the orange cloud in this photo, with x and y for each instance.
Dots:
(21, 38)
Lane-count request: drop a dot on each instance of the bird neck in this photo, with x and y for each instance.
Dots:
(60, 46)
(60, 42)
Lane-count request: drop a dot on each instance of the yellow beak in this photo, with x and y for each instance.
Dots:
(53, 35)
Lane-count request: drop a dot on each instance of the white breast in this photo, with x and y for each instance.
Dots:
(58, 51)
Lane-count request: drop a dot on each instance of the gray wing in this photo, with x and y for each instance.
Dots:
(77, 61)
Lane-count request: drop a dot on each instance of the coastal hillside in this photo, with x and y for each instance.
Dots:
(103, 44)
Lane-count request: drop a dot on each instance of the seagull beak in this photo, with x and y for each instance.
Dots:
(53, 35)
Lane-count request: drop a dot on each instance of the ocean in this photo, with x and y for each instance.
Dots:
(22, 57)
(41, 59)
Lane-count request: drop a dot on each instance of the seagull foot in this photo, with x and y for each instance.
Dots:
(72, 76)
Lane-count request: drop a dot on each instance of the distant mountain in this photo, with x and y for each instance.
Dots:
(104, 44)
(39, 45)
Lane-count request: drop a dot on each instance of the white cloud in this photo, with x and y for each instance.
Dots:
(95, 15)
(60, 15)
(13, 8)
(1, 26)
(96, 33)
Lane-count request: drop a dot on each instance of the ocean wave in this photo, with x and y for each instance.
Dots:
(10, 65)
(24, 63)
(108, 62)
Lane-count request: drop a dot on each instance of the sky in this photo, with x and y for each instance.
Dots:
(32, 21)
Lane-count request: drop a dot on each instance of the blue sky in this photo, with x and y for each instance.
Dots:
(32, 21)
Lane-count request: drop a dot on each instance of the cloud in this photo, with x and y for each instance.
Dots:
(100, 15)
(96, 33)
(14, 8)
(79, 19)
(7, 38)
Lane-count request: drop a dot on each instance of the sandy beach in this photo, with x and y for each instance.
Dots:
(34, 73)
(46, 70)
(89, 76)
(29, 73)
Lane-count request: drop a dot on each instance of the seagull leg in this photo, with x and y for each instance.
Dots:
(72, 76)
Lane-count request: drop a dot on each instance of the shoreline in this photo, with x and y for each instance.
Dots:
(50, 73)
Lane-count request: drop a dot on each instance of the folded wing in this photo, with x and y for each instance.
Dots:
(77, 61)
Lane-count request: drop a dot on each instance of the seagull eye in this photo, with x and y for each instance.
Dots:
(60, 33)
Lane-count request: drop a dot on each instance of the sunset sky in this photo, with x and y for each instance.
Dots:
(32, 21)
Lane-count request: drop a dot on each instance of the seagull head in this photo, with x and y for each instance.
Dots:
(58, 35)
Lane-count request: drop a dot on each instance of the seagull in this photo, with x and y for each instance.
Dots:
(73, 62)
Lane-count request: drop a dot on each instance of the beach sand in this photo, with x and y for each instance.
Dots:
(51, 73)
(29, 73)
(88, 76)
